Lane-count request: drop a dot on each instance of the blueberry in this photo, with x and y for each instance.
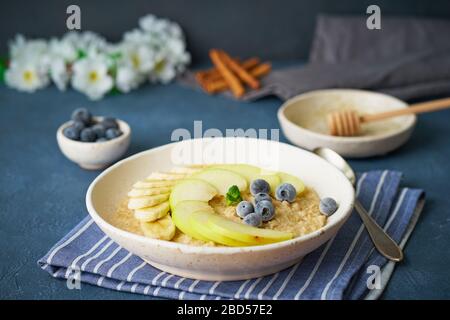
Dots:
(262, 196)
(79, 125)
(72, 132)
(112, 133)
(244, 208)
(87, 135)
(83, 115)
(285, 191)
(265, 209)
(328, 206)
(253, 219)
(109, 122)
(99, 129)
(258, 186)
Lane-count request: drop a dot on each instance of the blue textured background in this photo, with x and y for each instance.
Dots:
(42, 193)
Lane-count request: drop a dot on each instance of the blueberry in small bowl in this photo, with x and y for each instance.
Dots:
(93, 142)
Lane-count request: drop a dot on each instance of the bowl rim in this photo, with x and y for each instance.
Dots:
(123, 126)
(187, 248)
(283, 119)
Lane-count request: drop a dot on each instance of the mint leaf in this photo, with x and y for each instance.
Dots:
(233, 195)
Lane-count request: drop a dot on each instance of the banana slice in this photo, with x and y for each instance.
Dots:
(153, 184)
(166, 176)
(139, 192)
(163, 229)
(152, 213)
(147, 201)
(185, 170)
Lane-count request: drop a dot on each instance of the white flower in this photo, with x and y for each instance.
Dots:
(63, 49)
(86, 43)
(164, 72)
(27, 77)
(140, 57)
(25, 50)
(59, 73)
(127, 79)
(90, 76)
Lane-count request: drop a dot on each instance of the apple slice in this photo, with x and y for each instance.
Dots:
(147, 201)
(244, 233)
(198, 221)
(245, 170)
(192, 189)
(221, 179)
(152, 213)
(139, 192)
(182, 212)
(166, 176)
(296, 182)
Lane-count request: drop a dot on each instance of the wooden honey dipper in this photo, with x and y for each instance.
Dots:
(348, 122)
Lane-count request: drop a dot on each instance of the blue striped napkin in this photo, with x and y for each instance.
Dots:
(336, 270)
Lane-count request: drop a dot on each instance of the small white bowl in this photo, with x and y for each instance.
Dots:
(219, 263)
(303, 121)
(94, 155)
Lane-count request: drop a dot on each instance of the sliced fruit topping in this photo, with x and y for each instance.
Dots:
(152, 213)
(166, 176)
(245, 170)
(163, 229)
(296, 182)
(147, 201)
(198, 221)
(154, 184)
(192, 189)
(245, 233)
(139, 192)
(221, 179)
(182, 212)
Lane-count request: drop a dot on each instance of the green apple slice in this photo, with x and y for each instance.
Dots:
(139, 192)
(198, 221)
(221, 179)
(192, 189)
(152, 213)
(244, 233)
(182, 212)
(296, 182)
(147, 201)
(245, 170)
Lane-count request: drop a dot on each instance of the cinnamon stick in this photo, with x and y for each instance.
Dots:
(233, 82)
(220, 85)
(239, 71)
(213, 74)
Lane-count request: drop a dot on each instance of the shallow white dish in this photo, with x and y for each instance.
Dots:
(303, 121)
(94, 155)
(219, 263)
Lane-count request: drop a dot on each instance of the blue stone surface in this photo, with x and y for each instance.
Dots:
(42, 193)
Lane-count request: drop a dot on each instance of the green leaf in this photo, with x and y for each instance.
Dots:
(81, 54)
(233, 196)
(3, 67)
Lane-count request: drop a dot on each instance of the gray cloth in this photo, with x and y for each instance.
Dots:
(344, 56)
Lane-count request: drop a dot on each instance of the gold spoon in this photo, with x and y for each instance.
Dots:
(348, 123)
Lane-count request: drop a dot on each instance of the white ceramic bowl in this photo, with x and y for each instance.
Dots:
(303, 121)
(219, 263)
(94, 155)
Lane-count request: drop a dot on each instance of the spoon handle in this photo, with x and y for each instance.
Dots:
(384, 244)
(422, 107)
